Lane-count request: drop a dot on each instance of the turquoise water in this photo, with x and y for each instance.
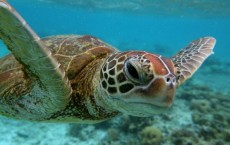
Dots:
(202, 101)
(125, 30)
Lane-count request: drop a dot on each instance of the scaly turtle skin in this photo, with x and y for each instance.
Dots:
(70, 78)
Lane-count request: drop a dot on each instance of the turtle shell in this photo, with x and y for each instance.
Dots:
(79, 57)
(75, 52)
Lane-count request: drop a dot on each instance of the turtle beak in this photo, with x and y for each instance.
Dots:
(166, 95)
(160, 92)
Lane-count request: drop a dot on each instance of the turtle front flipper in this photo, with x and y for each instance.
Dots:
(36, 59)
(189, 59)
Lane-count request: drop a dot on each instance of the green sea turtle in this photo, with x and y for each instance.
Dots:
(71, 78)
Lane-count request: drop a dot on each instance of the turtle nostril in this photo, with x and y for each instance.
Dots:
(168, 79)
(174, 80)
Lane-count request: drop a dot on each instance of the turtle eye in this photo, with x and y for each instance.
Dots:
(138, 72)
(131, 72)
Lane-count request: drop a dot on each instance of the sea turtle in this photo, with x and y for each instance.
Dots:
(72, 78)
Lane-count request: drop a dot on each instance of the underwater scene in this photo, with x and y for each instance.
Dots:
(200, 113)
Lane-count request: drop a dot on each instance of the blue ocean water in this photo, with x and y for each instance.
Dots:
(132, 30)
(125, 30)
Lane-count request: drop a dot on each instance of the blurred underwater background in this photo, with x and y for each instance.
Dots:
(200, 114)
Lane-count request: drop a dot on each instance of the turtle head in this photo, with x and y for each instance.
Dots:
(138, 83)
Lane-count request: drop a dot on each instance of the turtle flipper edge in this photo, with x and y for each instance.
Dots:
(189, 59)
(34, 56)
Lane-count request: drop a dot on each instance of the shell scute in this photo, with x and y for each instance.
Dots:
(100, 51)
(74, 52)
(77, 64)
(64, 61)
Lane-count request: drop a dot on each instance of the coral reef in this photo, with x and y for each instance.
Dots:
(133, 124)
(201, 105)
(184, 137)
(113, 134)
(151, 136)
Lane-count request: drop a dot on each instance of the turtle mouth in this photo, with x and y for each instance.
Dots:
(151, 104)
(156, 108)
(140, 109)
